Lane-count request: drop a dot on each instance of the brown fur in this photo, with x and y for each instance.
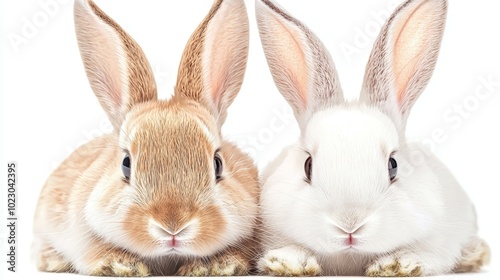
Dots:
(190, 84)
(171, 146)
(284, 270)
(394, 269)
(475, 255)
(51, 261)
(141, 79)
(233, 261)
(215, 86)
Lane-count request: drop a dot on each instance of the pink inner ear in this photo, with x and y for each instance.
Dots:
(104, 58)
(224, 57)
(219, 75)
(411, 41)
(220, 65)
(301, 89)
(291, 57)
(114, 88)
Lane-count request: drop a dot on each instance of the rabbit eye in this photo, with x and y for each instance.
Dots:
(126, 167)
(308, 169)
(393, 168)
(218, 167)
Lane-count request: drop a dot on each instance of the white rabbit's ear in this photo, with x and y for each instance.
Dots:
(116, 66)
(301, 66)
(213, 64)
(404, 56)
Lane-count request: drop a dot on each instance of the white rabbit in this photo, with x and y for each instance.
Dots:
(349, 198)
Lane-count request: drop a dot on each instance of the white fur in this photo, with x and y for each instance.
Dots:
(422, 220)
(238, 226)
(425, 209)
(292, 259)
(107, 220)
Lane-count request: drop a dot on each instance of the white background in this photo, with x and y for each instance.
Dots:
(48, 108)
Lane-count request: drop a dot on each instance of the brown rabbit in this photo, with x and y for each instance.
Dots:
(164, 193)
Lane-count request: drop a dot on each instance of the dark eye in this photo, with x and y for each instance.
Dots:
(393, 168)
(218, 167)
(126, 166)
(308, 168)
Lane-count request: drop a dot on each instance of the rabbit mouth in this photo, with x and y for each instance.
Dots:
(174, 246)
(178, 250)
(175, 251)
(351, 248)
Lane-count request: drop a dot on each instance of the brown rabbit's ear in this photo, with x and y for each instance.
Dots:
(301, 66)
(116, 66)
(213, 63)
(404, 56)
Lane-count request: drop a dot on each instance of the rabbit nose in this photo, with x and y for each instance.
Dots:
(173, 233)
(350, 240)
(350, 229)
(347, 226)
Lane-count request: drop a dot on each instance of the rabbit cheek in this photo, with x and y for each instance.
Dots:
(135, 226)
(238, 207)
(212, 226)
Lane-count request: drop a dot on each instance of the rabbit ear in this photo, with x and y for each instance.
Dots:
(213, 63)
(301, 66)
(116, 66)
(404, 57)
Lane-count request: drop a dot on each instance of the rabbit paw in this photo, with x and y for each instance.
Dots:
(51, 261)
(391, 266)
(223, 265)
(475, 255)
(119, 264)
(289, 261)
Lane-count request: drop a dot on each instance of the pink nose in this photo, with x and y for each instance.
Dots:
(172, 242)
(350, 240)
